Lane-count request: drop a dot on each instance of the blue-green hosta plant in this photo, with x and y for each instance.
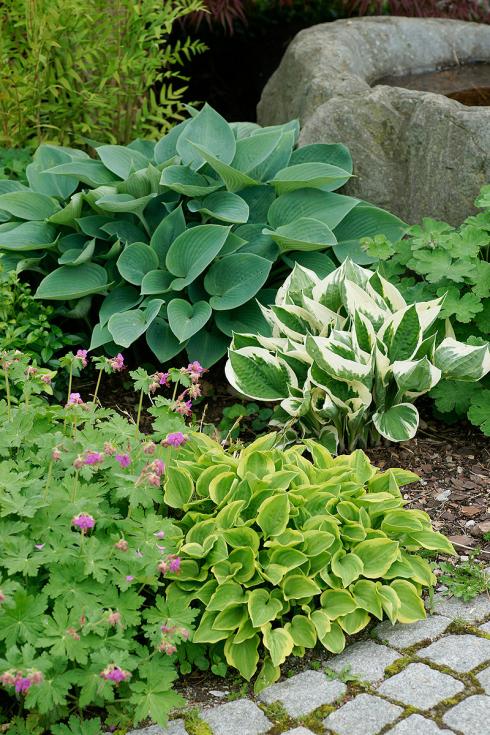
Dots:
(176, 240)
(348, 357)
(281, 551)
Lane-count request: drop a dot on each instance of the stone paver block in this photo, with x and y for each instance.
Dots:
(485, 627)
(299, 731)
(484, 679)
(174, 727)
(367, 660)
(403, 635)
(364, 715)
(420, 686)
(241, 716)
(472, 612)
(460, 652)
(471, 716)
(303, 693)
(417, 725)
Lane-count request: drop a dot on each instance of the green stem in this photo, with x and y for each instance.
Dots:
(7, 390)
(99, 377)
(140, 406)
(175, 390)
(70, 381)
(48, 479)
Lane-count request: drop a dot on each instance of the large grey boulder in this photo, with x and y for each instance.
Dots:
(415, 153)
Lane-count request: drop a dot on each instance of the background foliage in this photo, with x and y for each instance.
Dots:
(103, 69)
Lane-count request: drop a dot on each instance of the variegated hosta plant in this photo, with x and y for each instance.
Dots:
(348, 357)
(281, 551)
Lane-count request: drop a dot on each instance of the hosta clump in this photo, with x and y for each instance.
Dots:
(84, 623)
(281, 551)
(175, 241)
(348, 357)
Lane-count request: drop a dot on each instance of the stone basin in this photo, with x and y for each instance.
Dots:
(410, 97)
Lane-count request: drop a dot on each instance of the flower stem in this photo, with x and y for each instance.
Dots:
(7, 389)
(140, 406)
(99, 377)
(70, 381)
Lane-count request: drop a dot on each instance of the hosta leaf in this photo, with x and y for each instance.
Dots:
(411, 604)
(167, 231)
(243, 656)
(262, 607)
(193, 250)
(45, 157)
(28, 205)
(128, 326)
(458, 361)
(90, 172)
(135, 261)
(69, 214)
(377, 556)
(28, 236)
(209, 130)
(121, 160)
(398, 423)
(273, 515)
(100, 336)
(334, 153)
(334, 640)
(120, 299)
(222, 205)
(303, 234)
(348, 567)
(256, 373)
(279, 643)
(233, 280)
(186, 181)
(162, 341)
(207, 346)
(186, 319)
(124, 203)
(233, 179)
(306, 175)
(337, 603)
(75, 256)
(156, 282)
(325, 206)
(365, 220)
(69, 282)
(166, 149)
(245, 318)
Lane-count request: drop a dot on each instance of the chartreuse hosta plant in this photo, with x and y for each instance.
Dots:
(176, 240)
(348, 357)
(281, 551)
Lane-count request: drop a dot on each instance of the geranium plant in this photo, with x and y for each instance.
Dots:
(176, 241)
(281, 551)
(348, 357)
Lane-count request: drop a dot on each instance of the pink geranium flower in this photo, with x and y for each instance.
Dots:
(83, 521)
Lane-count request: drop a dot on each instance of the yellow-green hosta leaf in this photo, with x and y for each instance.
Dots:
(377, 556)
(353, 622)
(337, 603)
(432, 540)
(278, 642)
(389, 601)
(303, 631)
(297, 586)
(334, 640)
(322, 622)
(206, 632)
(411, 604)
(267, 675)
(243, 656)
(366, 596)
(348, 567)
(230, 618)
(262, 607)
(229, 593)
(400, 522)
(273, 515)
(179, 487)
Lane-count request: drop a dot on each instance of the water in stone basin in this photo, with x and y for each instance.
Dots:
(467, 83)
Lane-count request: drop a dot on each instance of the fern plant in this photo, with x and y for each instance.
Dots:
(62, 82)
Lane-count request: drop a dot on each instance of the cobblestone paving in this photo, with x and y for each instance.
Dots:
(429, 678)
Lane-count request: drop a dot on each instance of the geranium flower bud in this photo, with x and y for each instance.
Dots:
(122, 545)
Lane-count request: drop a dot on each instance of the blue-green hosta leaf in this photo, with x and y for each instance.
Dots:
(399, 423)
(246, 318)
(162, 341)
(222, 205)
(78, 256)
(458, 361)
(118, 300)
(317, 262)
(277, 160)
(209, 130)
(325, 206)
(45, 157)
(8, 185)
(305, 234)
(92, 173)
(255, 373)
(156, 282)
(166, 149)
(135, 261)
(28, 205)
(124, 203)
(309, 175)
(192, 251)
(186, 319)
(233, 280)
(167, 231)
(254, 150)
(93, 223)
(128, 326)
(121, 160)
(125, 231)
(69, 214)
(334, 153)
(184, 180)
(233, 179)
(365, 220)
(73, 282)
(208, 346)
(259, 199)
(27, 236)
(100, 336)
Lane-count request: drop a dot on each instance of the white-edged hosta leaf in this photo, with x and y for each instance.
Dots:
(399, 423)
(254, 372)
(415, 376)
(73, 282)
(458, 361)
(186, 319)
(235, 279)
(321, 352)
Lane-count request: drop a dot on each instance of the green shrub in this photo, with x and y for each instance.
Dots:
(183, 235)
(85, 626)
(439, 260)
(281, 552)
(348, 357)
(26, 324)
(105, 69)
